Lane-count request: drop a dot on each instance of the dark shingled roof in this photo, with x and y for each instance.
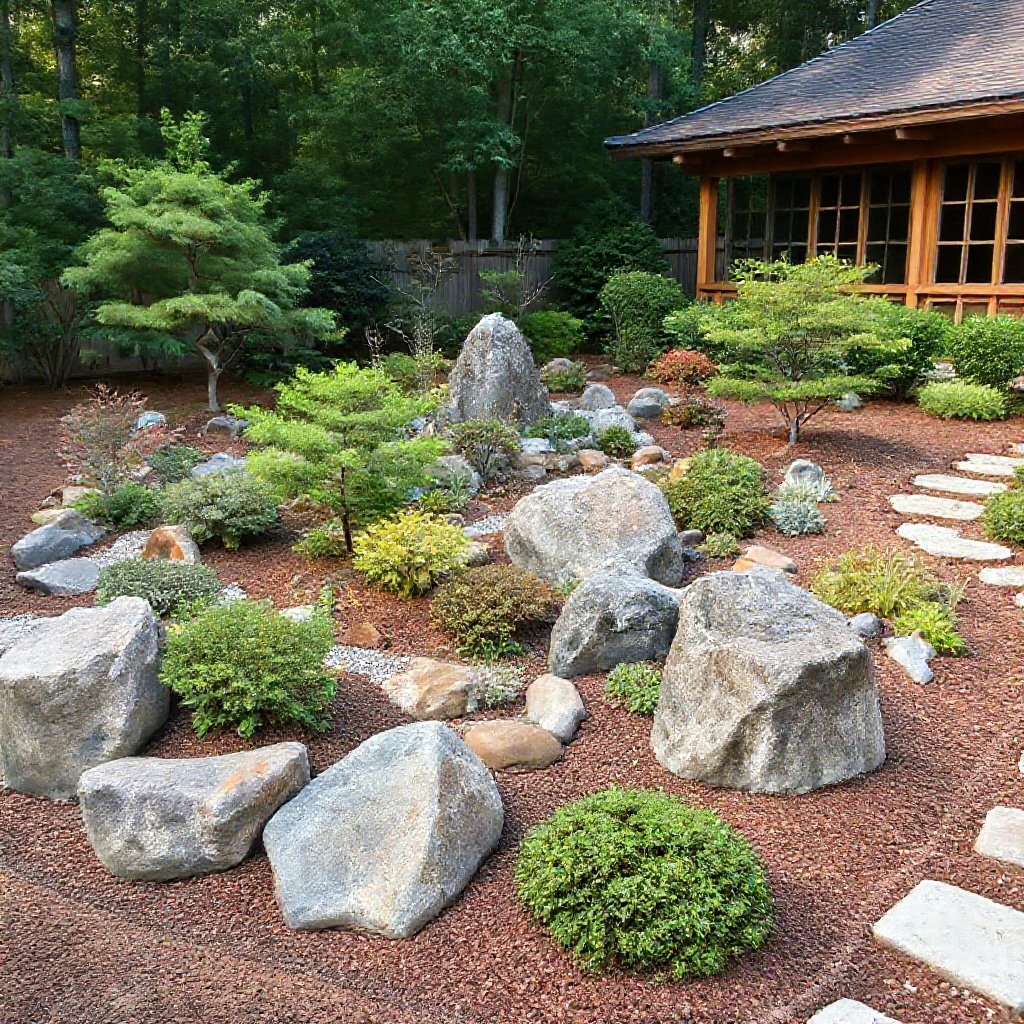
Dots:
(937, 54)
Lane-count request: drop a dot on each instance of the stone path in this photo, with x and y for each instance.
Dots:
(849, 1011)
(936, 508)
(948, 543)
(985, 468)
(1006, 576)
(958, 485)
(1002, 836)
(965, 938)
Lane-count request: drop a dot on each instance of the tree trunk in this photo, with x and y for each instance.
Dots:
(647, 164)
(699, 42)
(472, 229)
(8, 95)
(502, 172)
(214, 369)
(873, 11)
(65, 33)
(141, 41)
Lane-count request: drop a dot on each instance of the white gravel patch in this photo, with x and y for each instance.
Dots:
(16, 628)
(364, 661)
(128, 545)
(487, 526)
(232, 592)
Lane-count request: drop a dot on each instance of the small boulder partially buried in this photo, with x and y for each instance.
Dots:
(58, 539)
(156, 818)
(173, 543)
(81, 689)
(570, 528)
(766, 689)
(512, 746)
(388, 837)
(495, 377)
(611, 618)
(555, 704)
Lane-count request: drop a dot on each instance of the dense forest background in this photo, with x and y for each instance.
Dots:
(391, 118)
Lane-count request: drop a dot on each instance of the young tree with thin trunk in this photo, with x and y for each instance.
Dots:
(189, 261)
(65, 38)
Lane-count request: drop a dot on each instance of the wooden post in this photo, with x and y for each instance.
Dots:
(924, 213)
(707, 234)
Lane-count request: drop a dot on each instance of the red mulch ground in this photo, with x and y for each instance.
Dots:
(81, 946)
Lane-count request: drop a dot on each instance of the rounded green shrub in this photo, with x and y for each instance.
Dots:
(234, 507)
(484, 443)
(988, 350)
(1003, 518)
(616, 442)
(960, 400)
(721, 492)
(552, 334)
(638, 880)
(796, 518)
(720, 545)
(324, 541)
(485, 606)
(410, 552)
(636, 686)
(566, 381)
(166, 585)
(129, 506)
(637, 303)
(175, 462)
(243, 665)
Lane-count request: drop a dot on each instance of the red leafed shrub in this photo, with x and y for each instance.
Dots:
(682, 366)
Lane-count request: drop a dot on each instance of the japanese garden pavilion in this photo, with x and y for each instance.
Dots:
(903, 147)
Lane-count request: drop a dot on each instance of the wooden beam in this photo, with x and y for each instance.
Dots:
(707, 232)
(730, 152)
(689, 159)
(914, 135)
(794, 146)
(857, 139)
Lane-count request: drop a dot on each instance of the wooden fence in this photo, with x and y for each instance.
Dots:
(461, 290)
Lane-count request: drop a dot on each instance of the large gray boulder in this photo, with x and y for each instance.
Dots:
(81, 689)
(766, 689)
(58, 539)
(494, 376)
(611, 618)
(573, 527)
(388, 837)
(156, 818)
(70, 577)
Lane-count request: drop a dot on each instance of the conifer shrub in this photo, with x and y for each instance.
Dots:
(175, 462)
(234, 508)
(637, 303)
(721, 492)
(552, 334)
(166, 585)
(128, 506)
(683, 367)
(639, 880)
(616, 442)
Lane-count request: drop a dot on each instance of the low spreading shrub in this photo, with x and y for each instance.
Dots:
(988, 350)
(683, 367)
(721, 492)
(636, 686)
(1003, 518)
(682, 327)
(566, 381)
(959, 400)
(637, 303)
(233, 507)
(175, 462)
(484, 444)
(484, 607)
(243, 665)
(636, 879)
(410, 552)
(937, 624)
(129, 506)
(411, 373)
(166, 585)
(559, 430)
(552, 334)
(796, 518)
(616, 442)
(698, 411)
(720, 545)
(324, 541)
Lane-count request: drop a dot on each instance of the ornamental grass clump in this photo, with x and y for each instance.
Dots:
(721, 492)
(410, 552)
(244, 665)
(634, 686)
(232, 507)
(636, 879)
(960, 400)
(166, 585)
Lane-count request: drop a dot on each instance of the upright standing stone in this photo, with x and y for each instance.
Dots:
(388, 837)
(766, 689)
(80, 690)
(494, 376)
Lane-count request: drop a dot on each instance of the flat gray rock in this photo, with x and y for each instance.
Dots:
(80, 690)
(156, 818)
(766, 689)
(944, 542)
(965, 938)
(985, 468)
(958, 485)
(1002, 835)
(573, 527)
(936, 508)
(67, 578)
(611, 618)
(58, 539)
(850, 1011)
(388, 837)
(912, 653)
(219, 464)
(1007, 576)
(555, 704)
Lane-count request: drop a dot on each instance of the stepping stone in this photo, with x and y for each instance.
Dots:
(67, 578)
(946, 543)
(994, 460)
(965, 938)
(1002, 835)
(985, 468)
(936, 508)
(849, 1011)
(1007, 576)
(958, 485)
